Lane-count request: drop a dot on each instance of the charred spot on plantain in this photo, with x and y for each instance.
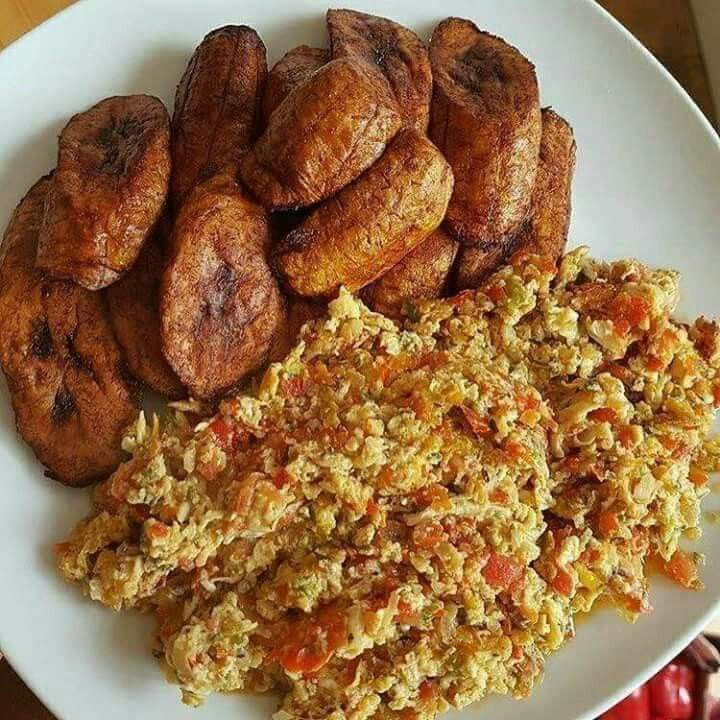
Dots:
(117, 139)
(41, 343)
(77, 360)
(63, 406)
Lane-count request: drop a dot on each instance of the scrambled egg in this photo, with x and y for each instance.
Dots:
(399, 520)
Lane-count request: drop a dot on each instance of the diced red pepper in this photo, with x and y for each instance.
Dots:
(309, 644)
(293, 387)
(683, 569)
(496, 292)
(281, 478)
(426, 690)
(698, 477)
(716, 394)
(653, 363)
(563, 583)
(480, 426)
(627, 312)
(635, 706)
(608, 523)
(603, 414)
(501, 572)
(671, 692)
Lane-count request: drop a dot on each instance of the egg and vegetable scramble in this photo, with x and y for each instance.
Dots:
(400, 520)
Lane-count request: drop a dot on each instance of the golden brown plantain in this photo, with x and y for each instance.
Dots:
(134, 303)
(422, 273)
(485, 118)
(298, 311)
(371, 225)
(220, 305)
(108, 191)
(546, 230)
(474, 264)
(322, 136)
(71, 398)
(291, 70)
(217, 106)
(398, 52)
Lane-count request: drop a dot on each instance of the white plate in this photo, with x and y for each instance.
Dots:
(647, 184)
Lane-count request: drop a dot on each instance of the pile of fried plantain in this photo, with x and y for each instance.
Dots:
(189, 253)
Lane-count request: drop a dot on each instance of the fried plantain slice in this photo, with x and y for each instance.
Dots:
(546, 230)
(422, 273)
(371, 225)
(485, 118)
(63, 366)
(220, 305)
(298, 311)
(322, 136)
(217, 106)
(397, 51)
(474, 264)
(108, 190)
(134, 303)
(291, 70)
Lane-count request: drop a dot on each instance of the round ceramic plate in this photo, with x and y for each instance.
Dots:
(647, 184)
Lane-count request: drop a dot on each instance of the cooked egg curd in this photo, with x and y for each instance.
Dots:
(400, 520)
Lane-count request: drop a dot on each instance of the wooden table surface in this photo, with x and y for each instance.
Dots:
(666, 28)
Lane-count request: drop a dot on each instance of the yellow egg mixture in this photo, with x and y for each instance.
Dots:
(399, 520)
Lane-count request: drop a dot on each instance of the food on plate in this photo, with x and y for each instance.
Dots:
(545, 231)
(407, 519)
(134, 304)
(397, 51)
(372, 224)
(108, 190)
(323, 135)
(63, 367)
(422, 273)
(217, 106)
(219, 302)
(298, 311)
(485, 118)
(291, 70)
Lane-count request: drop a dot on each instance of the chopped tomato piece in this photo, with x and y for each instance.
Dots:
(477, 424)
(498, 496)
(514, 450)
(428, 536)
(627, 312)
(501, 572)
(625, 436)
(309, 644)
(654, 363)
(222, 431)
(405, 613)
(603, 414)
(372, 508)
(528, 402)
(608, 523)
(282, 478)
(563, 582)
(716, 394)
(433, 494)
(698, 477)
(293, 386)
(426, 691)
(385, 477)
(496, 292)
(157, 530)
(683, 569)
